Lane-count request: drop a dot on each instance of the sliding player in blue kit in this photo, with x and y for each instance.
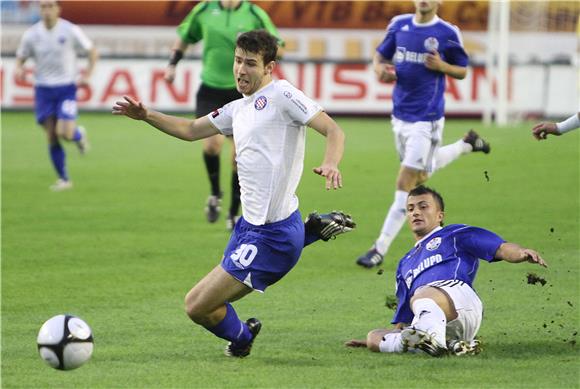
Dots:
(438, 311)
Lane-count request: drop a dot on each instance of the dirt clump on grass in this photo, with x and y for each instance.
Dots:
(534, 279)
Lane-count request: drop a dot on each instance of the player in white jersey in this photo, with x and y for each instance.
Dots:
(268, 127)
(541, 130)
(438, 311)
(424, 50)
(54, 43)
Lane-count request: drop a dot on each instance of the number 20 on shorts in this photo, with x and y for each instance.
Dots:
(245, 254)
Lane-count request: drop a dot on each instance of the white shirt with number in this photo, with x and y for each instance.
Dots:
(54, 51)
(269, 134)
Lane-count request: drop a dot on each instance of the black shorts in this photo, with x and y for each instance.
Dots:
(209, 99)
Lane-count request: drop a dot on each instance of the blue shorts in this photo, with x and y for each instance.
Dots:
(58, 101)
(259, 256)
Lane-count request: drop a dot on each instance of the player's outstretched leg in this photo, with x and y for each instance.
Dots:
(241, 351)
(414, 339)
(476, 142)
(326, 226)
(462, 347)
(371, 258)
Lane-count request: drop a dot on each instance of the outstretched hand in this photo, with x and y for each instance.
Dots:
(130, 108)
(533, 256)
(541, 130)
(332, 174)
(356, 343)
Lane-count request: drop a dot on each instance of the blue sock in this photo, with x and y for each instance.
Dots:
(58, 158)
(232, 328)
(310, 237)
(77, 135)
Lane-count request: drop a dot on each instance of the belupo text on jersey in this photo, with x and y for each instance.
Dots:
(403, 55)
(423, 265)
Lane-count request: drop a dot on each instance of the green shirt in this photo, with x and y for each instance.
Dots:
(219, 29)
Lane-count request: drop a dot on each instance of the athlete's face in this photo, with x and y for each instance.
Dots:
(426, 6)
(49, 11)
(423, 214)
(250, 71)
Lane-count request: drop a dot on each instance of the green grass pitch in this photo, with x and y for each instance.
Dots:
(123, 247)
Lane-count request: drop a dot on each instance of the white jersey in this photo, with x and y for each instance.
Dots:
(54, 51)
(269, 134)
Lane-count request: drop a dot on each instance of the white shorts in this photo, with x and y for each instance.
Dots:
(417, 142)
(468, 306)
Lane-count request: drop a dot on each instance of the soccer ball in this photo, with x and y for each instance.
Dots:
(65, 342)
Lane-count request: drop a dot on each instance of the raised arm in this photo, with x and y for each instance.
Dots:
(325, 125)
(514, 253)
(178, 127)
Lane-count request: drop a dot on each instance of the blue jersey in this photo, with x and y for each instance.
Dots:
(418, 93)
(449, 253)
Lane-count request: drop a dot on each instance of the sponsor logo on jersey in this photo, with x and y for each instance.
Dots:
(400, 54)
(431, 44)
(287, 94)
(409, 279)
(260, 103)
(433, 244)
(423, 265)
(404, 55)
(215, 113)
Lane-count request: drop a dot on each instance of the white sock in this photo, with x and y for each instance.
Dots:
(391, 343)
(429, 317)
(449, 153)
(393, 222)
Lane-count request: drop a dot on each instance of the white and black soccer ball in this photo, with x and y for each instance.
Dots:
(65, 342)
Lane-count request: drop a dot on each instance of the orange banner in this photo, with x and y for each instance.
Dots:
(468, 15)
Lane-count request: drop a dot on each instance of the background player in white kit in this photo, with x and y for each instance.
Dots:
(437, 309)
(54, 43)
(268, 125)
(424, 50)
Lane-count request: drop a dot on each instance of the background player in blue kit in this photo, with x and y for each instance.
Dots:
(424, 50)
(268, 125)
(54, 44)
(438, 311)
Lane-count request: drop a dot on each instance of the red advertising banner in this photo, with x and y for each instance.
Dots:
(349, 88)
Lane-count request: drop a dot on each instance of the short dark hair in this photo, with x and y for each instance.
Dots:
(421, 190)
(259, 42)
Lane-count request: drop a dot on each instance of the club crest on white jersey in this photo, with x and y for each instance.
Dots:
(260, 103)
